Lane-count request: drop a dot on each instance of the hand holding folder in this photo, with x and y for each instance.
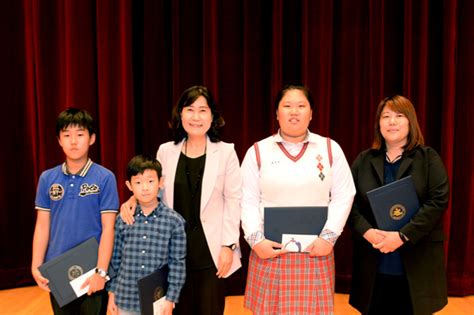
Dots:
(151, 289)
(294, 227)
(394, 204)
(61, 271)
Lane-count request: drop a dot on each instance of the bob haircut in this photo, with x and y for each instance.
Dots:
(399, 104)
(74, 117)
(140, 163)
(307, 93)
(188, 97)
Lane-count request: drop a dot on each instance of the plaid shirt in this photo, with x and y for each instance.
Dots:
(141, 248)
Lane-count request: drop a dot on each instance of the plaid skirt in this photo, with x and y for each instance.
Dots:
(293, 283)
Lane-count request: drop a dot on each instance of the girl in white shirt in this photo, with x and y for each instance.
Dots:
(294, 168)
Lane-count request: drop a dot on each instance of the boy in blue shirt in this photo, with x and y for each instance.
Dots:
(156, 239)
(75, 201)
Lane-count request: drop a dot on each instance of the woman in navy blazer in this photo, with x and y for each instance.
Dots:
(202, 181)
(399, 272)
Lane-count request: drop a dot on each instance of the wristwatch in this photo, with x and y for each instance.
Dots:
(101, 272)
(232, 246)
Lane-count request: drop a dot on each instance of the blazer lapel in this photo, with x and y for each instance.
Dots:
(378, 161)
(211, 168)
(172, 165)
(377, 164)
(406, 162)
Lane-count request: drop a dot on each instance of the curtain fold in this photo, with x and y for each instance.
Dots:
(127, 62)
(114, 80)
(450, 42)
(461, 237)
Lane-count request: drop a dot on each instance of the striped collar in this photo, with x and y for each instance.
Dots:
(82, 172)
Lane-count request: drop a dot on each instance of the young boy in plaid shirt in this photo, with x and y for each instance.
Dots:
(155, 239)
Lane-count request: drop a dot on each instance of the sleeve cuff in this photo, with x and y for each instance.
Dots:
(255, 238)
(329, 236)
(172, 295)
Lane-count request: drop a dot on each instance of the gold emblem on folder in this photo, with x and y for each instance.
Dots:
(74, 272)
(397, 212)
(159, 293)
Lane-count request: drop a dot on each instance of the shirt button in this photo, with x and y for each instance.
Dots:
(144, 236)
(73, 176)
(143, 266)
(143, 251)
(146, 222)
(72, 185)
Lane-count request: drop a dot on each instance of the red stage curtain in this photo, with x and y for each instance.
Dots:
(128, 61)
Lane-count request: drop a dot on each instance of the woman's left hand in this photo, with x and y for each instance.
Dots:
(320, 247)
(390, 243)
(224, 262)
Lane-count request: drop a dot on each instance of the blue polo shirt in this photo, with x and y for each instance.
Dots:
(76, 202)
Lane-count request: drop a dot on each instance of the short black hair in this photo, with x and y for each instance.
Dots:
(307, 93)
(188, 97)
(74, 117)
(140, 163)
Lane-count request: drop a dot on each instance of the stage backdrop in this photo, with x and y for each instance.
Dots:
(127, 61)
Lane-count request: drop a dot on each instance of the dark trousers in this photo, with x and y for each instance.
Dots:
(391, 296)
(95, 304)
(203, 293)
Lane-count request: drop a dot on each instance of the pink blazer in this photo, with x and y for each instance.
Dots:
(220, 196)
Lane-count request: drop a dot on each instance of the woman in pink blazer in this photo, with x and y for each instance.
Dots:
(202, 181)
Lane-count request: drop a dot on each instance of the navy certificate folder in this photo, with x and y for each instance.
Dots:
(66, 267)
(394, 204)
(151, 288)
(293, 220)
